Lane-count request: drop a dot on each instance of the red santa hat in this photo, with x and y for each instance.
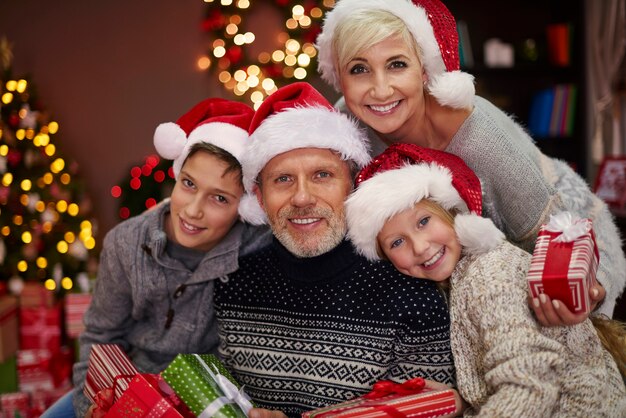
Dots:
(223, 123)
(296, 116)
(402, 176)
(434, 29)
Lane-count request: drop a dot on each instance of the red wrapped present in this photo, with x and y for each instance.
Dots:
(389, 399)
(40, 328)
(12, 403)
(41, 370)
(109, 368)
(148, 395)
(76, 305)
(8, 327)
(35, 295)
(565, 261)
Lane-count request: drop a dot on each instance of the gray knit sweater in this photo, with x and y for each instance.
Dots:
(509, 366)
(522, 187)
(137, 284)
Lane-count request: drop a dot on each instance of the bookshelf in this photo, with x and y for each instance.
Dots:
(514, 89)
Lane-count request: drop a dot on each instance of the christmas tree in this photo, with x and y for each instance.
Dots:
(46, 233)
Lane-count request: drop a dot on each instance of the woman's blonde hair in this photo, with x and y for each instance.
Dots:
(372, 26)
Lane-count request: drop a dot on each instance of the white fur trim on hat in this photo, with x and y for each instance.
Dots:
(303, 127)
(420, 27)
(250, 210)
(476, 234)
(171, 143)
(454, 89)
(390, 192)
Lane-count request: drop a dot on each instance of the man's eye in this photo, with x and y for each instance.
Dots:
(187, 183)
(221, 199)
(324, 174)
(282, 179)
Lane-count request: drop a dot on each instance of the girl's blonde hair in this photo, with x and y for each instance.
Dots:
(373, 26)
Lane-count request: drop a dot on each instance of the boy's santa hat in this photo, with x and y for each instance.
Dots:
(223, 123)
(402, 176)
(434, 29)
(296, 116)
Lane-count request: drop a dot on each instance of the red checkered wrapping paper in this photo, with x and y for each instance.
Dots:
(421, 403)
(109, 368)
(565, 261)
(149, 396)
(40, 328)
(76, 305)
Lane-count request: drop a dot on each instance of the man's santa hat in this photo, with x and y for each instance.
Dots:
(434, 29)
(402, 176)
(223, 123)
(296, 116)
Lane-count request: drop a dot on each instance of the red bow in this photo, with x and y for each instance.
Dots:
(387, 387)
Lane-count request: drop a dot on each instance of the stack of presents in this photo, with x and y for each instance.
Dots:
(38, 335)
(36, 366)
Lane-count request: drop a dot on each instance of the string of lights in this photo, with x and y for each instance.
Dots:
(255, 77)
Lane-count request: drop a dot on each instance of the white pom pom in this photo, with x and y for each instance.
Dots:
(169, 140)
(250, 210)
(476, 234)
(454, 89)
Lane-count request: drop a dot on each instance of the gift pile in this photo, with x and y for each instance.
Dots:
(565, 261)
(36, 352)
(192, 385)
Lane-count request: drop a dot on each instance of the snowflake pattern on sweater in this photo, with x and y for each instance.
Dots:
(301, 333)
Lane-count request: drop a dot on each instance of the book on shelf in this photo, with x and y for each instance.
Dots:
(552, 112)
(466, 56)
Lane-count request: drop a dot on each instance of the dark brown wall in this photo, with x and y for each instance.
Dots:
(109, 72)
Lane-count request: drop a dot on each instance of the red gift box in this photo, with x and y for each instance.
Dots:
(8, 327)
(565, 261)
(46, 371)
(11, 403)
(149, 396)
(40, 328)
(76, 305)
(388, 399)
(35, 295)
(108, 368)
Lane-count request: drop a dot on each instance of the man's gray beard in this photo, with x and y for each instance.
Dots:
(337, 228)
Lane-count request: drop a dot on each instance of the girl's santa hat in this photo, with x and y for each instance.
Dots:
(296, 116)
(434, 29)
(402, 176)
(223, 123)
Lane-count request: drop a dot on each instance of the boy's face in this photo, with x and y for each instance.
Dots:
(421, 244)
(204, 202)
(303, 193)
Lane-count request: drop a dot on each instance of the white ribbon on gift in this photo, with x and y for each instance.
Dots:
(231, 393)
(570, 226)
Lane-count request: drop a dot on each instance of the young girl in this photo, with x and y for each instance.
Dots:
(420, 208)
(154, 291)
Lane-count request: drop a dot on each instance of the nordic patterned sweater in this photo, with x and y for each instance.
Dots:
(509, 366)
(301, 333)
(522, 187)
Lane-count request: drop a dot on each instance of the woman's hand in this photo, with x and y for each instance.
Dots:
(265, 413)
(551, 313)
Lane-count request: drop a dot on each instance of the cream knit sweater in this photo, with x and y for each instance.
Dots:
(509, 366)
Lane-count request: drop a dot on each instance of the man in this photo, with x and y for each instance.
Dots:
(306, 322)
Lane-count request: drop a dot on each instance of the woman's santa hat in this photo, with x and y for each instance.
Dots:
(434, 29)
(296, 116)
(223, 123)
(402, 176)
